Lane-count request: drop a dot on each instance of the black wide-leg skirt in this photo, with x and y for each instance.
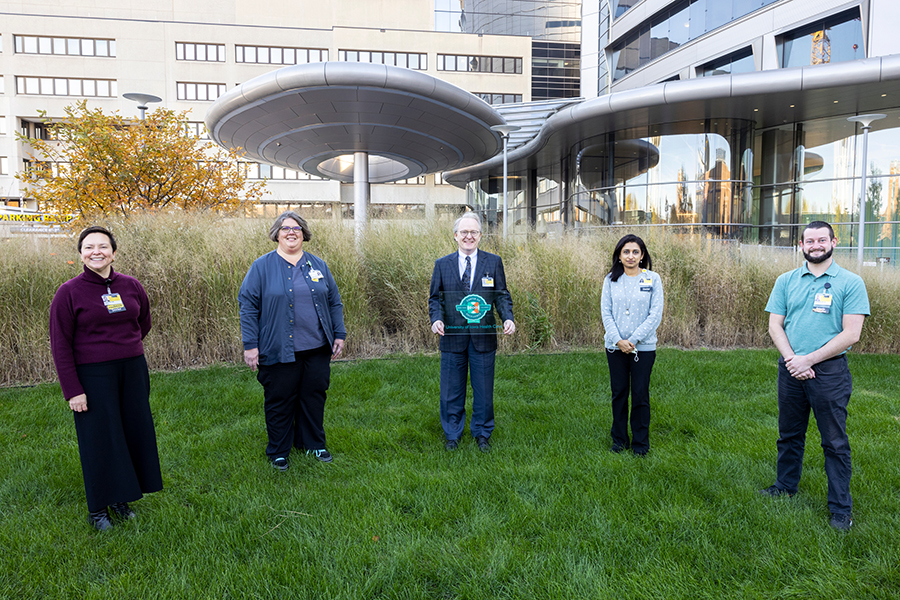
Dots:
(116, 437)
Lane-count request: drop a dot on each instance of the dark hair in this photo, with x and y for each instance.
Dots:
(97, 229)
(817, 225)
(289, 214)
(617, 267)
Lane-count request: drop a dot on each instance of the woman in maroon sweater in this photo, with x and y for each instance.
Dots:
(97, 323)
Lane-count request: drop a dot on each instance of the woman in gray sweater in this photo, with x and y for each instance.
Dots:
(631, 305)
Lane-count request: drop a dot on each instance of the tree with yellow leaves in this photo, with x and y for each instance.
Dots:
(109, 165)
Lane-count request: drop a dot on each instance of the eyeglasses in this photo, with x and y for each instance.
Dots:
(474, 234)
(287, 229)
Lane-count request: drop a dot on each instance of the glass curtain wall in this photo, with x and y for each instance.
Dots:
(812, 171)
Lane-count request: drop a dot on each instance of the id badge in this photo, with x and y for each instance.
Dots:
(487, 281)
(822, 303)
(113, 303)
(646, 284)
(315, 275)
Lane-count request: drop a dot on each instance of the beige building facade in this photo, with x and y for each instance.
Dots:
(189, 53)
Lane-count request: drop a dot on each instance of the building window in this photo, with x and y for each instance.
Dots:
(263, 171)
(2, 125)
(420, 180)
(678, 24)
(410, 60)
(499, 98)
(199, 91)
(555, 70)
(273, 55)
(200, 52)
(4, 165)
(835, 39)
(479, 64)
(32, 44)
(196, 129)
(621, 6)
(59, 86)
(736, 62)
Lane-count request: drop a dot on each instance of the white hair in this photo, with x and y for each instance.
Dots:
(468, 215)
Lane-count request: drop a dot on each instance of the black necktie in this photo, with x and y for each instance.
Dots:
(467, 274)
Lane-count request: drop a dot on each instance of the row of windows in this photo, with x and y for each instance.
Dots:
(270, 55)
(200, 52)
(499, 98)
(261, 171)
(32, 44)
(199, 91)
(411, 60)
(58, 86)
(834, 39)
(479, 64)
(670, 28)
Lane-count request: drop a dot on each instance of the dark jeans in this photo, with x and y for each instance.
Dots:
(455, 367)
(116, 437)
(627, 374)
(295, 401)
(828, 395)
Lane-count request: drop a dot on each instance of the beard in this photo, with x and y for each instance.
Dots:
(818, 259)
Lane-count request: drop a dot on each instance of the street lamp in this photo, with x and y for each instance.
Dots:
(866, 122)
(142, 99)
(504, 131)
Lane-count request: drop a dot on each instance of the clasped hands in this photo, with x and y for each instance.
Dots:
(800, 367)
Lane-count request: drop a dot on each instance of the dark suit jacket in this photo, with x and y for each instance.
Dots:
(445, 278)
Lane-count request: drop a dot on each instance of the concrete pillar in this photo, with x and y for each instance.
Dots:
(361, 192)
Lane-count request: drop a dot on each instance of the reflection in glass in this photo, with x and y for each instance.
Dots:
(831, 40)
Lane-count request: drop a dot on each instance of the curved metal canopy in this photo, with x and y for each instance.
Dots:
(768, 98)
(308, 116)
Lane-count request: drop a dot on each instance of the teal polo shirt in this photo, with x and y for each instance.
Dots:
(794, 294)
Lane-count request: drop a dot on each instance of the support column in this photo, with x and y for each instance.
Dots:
(361, 192)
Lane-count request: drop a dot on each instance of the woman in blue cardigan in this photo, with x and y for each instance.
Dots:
(292, 326)
(631, 304)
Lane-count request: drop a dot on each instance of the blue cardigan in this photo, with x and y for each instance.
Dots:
(265, 305)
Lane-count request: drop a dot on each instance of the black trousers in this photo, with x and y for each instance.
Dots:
(827, 395)
(116, 437)
(627, 374)
(295, 401)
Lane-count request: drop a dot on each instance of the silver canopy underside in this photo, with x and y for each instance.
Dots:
(307, 116)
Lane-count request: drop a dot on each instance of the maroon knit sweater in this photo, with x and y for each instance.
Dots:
(83, 331)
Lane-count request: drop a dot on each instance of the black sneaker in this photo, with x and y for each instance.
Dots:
(451, 445)
(322, 455)
(122, 510)
(841, 522)
(775, 491)
(100, 520)
(484, 443)
(280, 463)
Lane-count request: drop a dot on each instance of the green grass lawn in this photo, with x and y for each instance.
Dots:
(550, 513)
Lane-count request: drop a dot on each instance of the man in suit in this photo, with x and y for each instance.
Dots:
(468, 271)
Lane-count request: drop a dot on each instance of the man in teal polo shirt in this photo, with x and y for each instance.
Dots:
(816, 313)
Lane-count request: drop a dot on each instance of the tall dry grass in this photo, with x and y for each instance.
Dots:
(192, 267)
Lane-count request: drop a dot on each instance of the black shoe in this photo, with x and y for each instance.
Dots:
(280, 463)
(100, 520)
(451, 445)
(322, 455)
(122, 510)
(483, 443)
(841, 522)
(641, 453)
(775, 491)
(618, 448)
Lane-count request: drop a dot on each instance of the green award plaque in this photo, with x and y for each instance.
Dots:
(469, 312)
